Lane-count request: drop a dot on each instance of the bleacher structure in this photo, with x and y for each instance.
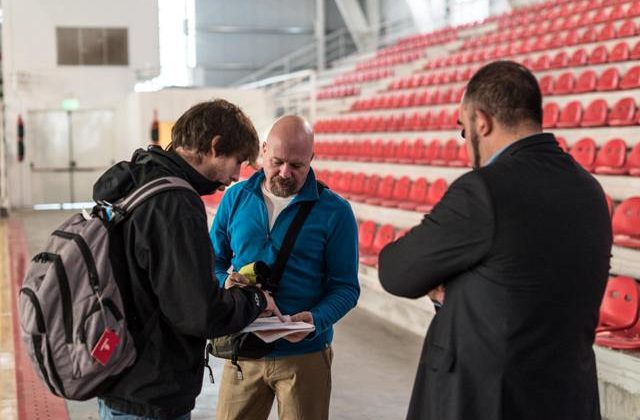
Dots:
(389, 140)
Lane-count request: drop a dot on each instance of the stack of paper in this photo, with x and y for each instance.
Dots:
(270, 329)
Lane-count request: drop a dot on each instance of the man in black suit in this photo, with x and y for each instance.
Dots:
(522, 245)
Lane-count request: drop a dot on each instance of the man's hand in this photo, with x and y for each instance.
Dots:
(305, 316)
(236, 279)
(437, 294)
(271, 308)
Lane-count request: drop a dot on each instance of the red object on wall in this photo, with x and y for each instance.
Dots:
(155, 133)
(20, 137)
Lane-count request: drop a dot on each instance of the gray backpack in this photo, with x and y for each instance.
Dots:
(72, 315)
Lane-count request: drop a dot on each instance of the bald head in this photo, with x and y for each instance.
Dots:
(287, 155)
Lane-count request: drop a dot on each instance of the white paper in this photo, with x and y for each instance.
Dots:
(270, 329)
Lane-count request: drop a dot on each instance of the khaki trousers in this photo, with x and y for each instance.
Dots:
(301, 384)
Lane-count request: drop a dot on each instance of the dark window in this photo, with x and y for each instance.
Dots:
(93, 46)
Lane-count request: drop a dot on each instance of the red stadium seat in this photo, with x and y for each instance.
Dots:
(370, 188)
(607, 32)
(542, 63)
(385, 235)
(344, 183)
(417, 194)
(590, 35)
(623, 112)
(584, 152)
(586, 82)
(596, 114)
(571, 38)
(634, 9)
(620, 304)
(562, 143)
(462, 160)
(551, 112)
(611, 158)
(546, 84)
(366, 234)
(608, 80)
(599, 55)
(627, 339)
(631, 79)
(626, 223)
(627, 29)
(432, 152)
(385, 190)
(400, 192)
(560, 60)
(435, 193)
(620, 52)
(617, 13)
(635, 51)
(448, 154)
(357, 186)
(565, 83)
(579, 58)
(571, 115)
(633, 161)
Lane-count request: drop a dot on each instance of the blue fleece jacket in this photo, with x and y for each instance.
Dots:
(321, 274)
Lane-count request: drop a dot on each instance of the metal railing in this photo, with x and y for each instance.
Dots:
(338, 44)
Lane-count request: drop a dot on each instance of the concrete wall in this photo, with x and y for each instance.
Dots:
(34, 81)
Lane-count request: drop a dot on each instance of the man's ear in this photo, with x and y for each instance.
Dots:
(214, 142)
(264, 148)
(484, 123)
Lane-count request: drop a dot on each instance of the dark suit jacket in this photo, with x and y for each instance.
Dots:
(522, 246)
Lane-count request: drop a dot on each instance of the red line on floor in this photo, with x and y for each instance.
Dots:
(34, 399)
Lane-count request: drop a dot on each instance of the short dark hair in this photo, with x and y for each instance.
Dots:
(506, 91)
(196, 128)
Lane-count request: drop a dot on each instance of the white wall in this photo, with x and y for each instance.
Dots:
(34, 81)
(136, 113)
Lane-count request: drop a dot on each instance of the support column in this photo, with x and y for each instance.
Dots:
(320, 26)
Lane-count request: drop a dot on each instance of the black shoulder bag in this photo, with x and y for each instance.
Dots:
(248, 345)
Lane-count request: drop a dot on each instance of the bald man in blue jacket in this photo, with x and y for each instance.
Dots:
(319, 284)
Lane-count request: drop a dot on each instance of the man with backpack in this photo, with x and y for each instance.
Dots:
(163, 249)
(318, 284)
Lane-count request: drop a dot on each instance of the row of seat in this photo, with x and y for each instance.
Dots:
(589, 81)
(596, 114)
(359, 76)
(597, 54)
(443, 119)
(414, 42)
(590, 18)
(613, 158)
(372, 238)
(416, 152)
(338, 92)
(388, 61)
(620, 52)
(405, 100)
(580, 57)
(387, 191)
(618, 322)
(600, 11)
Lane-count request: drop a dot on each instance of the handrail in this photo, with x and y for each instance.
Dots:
(338, 44)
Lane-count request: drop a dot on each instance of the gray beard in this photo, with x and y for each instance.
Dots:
(282, 187)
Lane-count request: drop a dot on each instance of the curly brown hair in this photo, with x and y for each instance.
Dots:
(196, 128)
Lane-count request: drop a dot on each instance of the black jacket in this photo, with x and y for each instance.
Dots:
(164, 251)
(522, 246)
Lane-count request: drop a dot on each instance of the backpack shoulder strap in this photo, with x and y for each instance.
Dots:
(127, 204)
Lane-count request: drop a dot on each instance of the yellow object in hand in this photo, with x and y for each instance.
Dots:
(249, 272)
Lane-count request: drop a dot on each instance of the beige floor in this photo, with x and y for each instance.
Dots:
(8, 408)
